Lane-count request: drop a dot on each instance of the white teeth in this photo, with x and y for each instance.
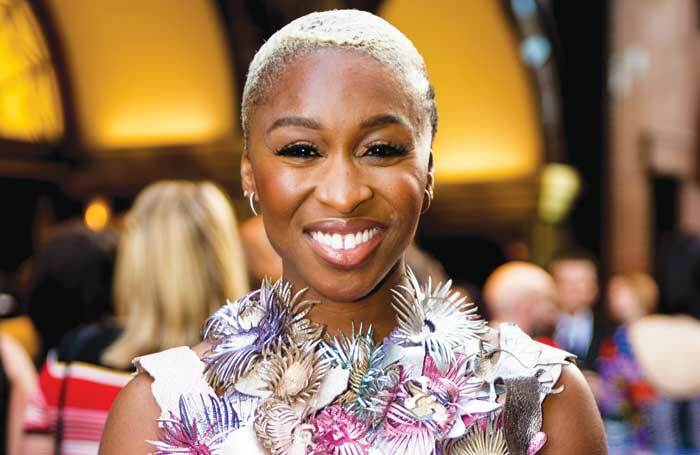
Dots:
(344, 242)
(349, 241)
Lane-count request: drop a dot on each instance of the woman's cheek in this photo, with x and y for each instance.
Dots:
(279, 188)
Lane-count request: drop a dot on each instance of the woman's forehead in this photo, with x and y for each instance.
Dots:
(339, 85)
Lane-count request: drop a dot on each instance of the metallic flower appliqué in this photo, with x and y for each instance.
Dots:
(438, 319)
(339, 432)
(261, 321)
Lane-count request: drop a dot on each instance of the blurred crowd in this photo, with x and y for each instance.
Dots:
(77, 313)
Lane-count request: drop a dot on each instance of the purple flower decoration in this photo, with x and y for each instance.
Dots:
(259, 322)
(417, 418)
(201, 427)
(338, 432)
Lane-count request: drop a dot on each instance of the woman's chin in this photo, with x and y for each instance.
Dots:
(342, 294)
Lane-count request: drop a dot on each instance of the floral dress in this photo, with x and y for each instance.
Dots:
(274, 383)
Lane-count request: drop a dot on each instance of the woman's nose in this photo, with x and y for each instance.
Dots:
(341, 185)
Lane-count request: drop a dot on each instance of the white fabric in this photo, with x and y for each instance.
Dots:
(175, 371)
(523, 356)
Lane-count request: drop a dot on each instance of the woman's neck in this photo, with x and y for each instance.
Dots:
(375, 309)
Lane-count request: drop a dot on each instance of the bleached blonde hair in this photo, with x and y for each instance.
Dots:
(349, 29)
(179, 259)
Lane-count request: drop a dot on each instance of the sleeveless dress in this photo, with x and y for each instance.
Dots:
(274, 383)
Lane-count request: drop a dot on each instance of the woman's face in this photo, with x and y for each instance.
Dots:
(624, 307)
(338, 157)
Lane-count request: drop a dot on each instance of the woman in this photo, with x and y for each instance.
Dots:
(72, 272)
(631, 296)
(17, 384)
(339, 117)
(179, 258)
(623, 393)
(652, 398)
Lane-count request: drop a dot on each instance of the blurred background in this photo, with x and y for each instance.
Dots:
(567, 147)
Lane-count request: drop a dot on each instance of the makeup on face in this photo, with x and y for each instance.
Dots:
(340, 170)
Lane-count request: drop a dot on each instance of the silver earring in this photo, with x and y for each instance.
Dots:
(250, 197)
(429, 197)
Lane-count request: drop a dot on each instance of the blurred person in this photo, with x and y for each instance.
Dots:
(18, 383)
(15, 323)
(578, 329)
(179, 259)
(525, 294)
(71, 282)
(621, 389)
(651, 379)
(631, 296)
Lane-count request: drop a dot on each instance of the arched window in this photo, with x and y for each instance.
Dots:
(30, 103)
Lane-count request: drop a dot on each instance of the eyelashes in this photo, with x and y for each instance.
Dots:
(301, 150)
(306, 151)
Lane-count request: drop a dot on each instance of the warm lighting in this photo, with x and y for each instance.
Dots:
(559, 186)
(147, 72)
(489, 121)
(97, 214)
(30, 105)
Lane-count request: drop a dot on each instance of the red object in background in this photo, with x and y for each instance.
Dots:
(88, 393)
(608, 349)
(641, 393)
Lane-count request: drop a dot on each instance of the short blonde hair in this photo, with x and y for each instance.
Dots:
(347, 29)
(179, 259)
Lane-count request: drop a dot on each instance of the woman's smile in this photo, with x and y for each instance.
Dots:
(344, 243)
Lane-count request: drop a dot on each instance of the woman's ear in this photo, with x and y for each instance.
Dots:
(247, 177)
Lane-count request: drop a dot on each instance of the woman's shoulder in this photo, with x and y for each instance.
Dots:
(153, 394)
(572, 421)
(132, 420)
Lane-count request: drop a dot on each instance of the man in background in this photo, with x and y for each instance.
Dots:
(523, 293)
(578, 330)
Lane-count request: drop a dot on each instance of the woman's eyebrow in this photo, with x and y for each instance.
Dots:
(383, 119)
(295, 121)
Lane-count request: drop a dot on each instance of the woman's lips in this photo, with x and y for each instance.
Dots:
(344, 243)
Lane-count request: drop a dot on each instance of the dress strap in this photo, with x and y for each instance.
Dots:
(175, 372)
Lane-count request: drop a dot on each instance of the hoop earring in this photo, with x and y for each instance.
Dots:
(251, 202)
(429, 197)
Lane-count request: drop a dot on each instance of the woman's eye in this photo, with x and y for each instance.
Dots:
(385, 150)
(299, 151)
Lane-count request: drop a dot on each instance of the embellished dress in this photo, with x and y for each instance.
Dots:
(274, 383)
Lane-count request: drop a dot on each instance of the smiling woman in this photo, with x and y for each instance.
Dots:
(348, 353)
